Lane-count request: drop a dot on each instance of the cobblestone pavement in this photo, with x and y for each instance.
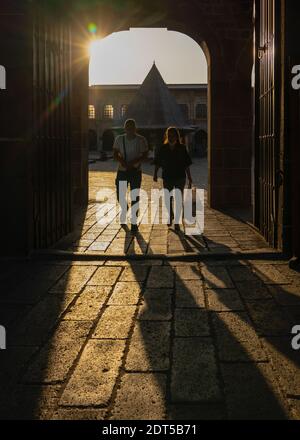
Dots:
(222, 233)
(149, 340)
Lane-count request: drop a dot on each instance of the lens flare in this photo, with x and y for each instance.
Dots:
(92, 28)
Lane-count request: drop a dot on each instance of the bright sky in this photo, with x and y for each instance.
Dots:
(126, 57)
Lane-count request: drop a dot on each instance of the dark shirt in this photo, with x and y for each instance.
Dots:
(173, 162)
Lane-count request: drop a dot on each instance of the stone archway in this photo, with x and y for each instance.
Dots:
(48, 50)
(225, 33)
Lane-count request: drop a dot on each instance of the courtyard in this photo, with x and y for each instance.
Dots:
(223, 233)
(108, 326)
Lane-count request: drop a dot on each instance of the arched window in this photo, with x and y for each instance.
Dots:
(201, 111)
(184, 110)
(108, 111)
(124, 108)
(92, 112)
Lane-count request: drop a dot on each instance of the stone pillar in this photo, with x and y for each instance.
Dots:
(79, 116)
(230, 132)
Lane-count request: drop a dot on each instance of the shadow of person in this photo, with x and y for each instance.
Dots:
(197, 349)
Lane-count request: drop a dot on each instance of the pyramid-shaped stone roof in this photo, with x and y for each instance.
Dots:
(154, 106)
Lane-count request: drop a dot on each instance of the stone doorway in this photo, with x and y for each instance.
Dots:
(228, 45)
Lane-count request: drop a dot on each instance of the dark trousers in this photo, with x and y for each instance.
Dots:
(171, 184)
(133, 178)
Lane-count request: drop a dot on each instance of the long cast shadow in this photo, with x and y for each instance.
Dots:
(240, 354)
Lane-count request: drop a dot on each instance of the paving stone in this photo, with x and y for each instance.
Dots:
(268, 318)
(293, 314)
(236, 339)
(84, 263)
(288, 295)
(216, 278)
(253, 244)
(198, 411)
(116, 251)
(90, 236)
(78, 414)
(190, 294)
(89, 303)
(286, 362)
(134, 273)
(223, 250)
(140, 397)
(292, 275)
(58, 355)
(269, 274)
(160, 235)
(105, 276)
(175, 263)
(73, 280)
(77, 249)
(15, 356)
(33, 402)
(136, 250)
(94, 378)
(135, 263)
(188, 273)
(156, 305)
(27, 292)
(194, 371)
(252, 393)
(126, 294)
(115, 323)
(12, 313)
(162, 278)
(99, 247)
(107, 237)
(157, 250)
(253, 290)
(267, 262)
(149, 347)
(51, 272)
(157, 241)
(224, 300)
(191, 323)
(13, 362)
(295, 409)
(120, 263)
(223, 263)
(36, 325)
(221, 242)
(242, 274)
(83, 243)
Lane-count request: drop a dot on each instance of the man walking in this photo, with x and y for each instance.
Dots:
(130, 150)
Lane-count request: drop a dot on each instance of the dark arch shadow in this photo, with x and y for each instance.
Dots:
(241, 359)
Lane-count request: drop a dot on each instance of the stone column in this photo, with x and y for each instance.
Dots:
(231, 132)
(79, 116)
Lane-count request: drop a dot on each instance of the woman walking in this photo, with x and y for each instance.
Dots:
(175, 162)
